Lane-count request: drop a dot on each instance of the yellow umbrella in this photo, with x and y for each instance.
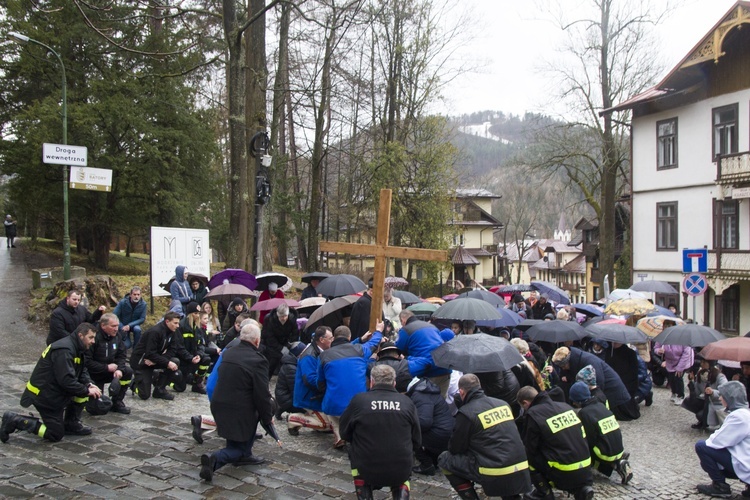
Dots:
(653, 325)
(625, 307)
(434, 300)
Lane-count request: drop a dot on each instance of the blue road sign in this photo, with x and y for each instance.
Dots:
(694, 284)
(695, 260)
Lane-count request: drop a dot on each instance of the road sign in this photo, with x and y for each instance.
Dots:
(60, 154)
(694, 284)
(91, 179)
(695, 261)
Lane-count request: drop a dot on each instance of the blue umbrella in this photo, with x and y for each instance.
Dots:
(589, 310)
(553, 292)
(661, 311)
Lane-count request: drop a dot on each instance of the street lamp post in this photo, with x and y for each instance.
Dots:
(23, 39)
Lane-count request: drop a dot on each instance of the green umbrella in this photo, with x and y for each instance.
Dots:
(423, 308)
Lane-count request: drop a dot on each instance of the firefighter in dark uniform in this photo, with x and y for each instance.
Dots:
(556, 446)
(58, 388)
(485, 446)
(602, 433)
(107, 363)
(382, 429)
(194, 361)
(153, 359)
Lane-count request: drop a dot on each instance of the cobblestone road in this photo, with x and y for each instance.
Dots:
(151, 454)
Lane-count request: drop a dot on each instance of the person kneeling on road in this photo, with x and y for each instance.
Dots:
(726, 453)
(106, 362)
(602, 433)
(58, 388)
(485, 446)
(154, 361)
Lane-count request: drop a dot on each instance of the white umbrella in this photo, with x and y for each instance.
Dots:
(626, 293)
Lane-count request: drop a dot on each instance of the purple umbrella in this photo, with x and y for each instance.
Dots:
(236, 276)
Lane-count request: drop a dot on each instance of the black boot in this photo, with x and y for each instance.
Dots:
(585, 493)
(400, 493)
(364, 491)
(162, 393)
(196, 421)
(467, 493)
(178, 381)
(72, 422)
(199, 386)
(425, 468)
(13, 422)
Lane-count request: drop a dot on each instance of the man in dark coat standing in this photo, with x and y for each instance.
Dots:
(485, 446)
(382, 428)
(58, 388)
(359, 323)
(68, 314)
(279, 331)
(240, 401)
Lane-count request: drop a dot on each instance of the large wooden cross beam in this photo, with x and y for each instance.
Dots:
(382, 251)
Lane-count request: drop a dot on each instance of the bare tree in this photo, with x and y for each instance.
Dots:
(608, 57)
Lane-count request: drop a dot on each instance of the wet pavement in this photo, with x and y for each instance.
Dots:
(151, 454)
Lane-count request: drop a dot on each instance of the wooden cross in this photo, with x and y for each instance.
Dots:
(381, 251)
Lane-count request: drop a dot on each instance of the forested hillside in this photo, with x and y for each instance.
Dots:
(496, 153)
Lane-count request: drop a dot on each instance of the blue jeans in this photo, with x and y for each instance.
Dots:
(136, 337)
(712, 459)
(233, 452)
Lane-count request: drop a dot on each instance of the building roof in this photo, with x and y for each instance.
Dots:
(689, 74)
(557, 246)
(478, 252)
(462, 257)
(577, 265)
(475, 193)
(485, 218)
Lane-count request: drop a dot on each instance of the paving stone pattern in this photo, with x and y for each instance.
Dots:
(151, 454)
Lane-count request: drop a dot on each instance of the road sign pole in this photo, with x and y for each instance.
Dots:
(694, 309)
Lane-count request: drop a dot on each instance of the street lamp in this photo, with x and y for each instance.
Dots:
(23, 39)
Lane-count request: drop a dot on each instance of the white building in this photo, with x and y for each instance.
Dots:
(691, 173)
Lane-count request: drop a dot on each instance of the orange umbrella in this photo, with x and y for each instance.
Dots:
(435, 300)
(653, 325)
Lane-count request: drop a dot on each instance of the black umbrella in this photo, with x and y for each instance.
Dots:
(317, 275)
(191, 276)
(615, 332)
(338, 285)
(477, 353)
(271, 431)
(528, 323)
(319, 316)
(553, 292)
(282, 280)
(406, 298)
(654, 286)
(691, 335)
(589, 310)
(486, 296)
(467, 309)
(556, 331)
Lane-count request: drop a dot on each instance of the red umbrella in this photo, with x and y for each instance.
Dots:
(267, 305)
(732, 349)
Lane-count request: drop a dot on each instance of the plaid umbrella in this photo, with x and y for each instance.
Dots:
(624, 307)
(653, 325)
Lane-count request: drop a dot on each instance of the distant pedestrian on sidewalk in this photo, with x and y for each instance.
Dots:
(10, 230)
(58, 388)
